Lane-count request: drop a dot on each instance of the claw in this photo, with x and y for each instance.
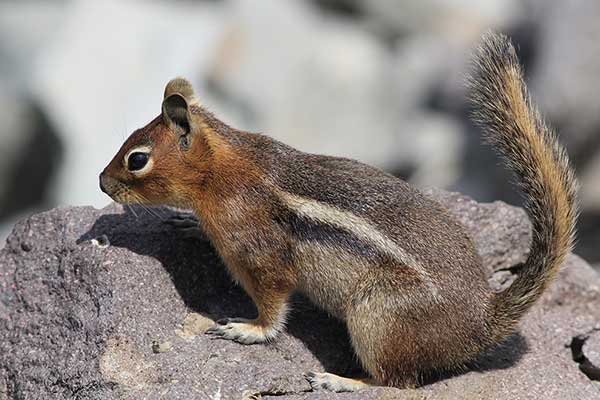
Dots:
(237, 329)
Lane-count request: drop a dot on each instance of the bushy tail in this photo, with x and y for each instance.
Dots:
(515, 128)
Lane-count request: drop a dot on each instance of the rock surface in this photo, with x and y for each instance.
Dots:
(112, 304)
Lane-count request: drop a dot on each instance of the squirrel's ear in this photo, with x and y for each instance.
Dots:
(182, 87)
(175, 112)
(179, 95)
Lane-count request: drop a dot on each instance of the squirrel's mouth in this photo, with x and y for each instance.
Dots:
(117, 190)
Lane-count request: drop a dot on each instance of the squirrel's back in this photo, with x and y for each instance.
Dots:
(402, 212)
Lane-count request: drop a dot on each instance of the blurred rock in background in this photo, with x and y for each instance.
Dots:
(377, 80)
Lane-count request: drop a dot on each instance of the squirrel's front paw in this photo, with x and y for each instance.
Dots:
(241, 330)
(187, 225)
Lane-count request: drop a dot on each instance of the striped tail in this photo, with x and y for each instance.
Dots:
(514, 127)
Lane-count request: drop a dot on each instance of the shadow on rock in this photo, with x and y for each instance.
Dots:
(502, 356)
(205, 287)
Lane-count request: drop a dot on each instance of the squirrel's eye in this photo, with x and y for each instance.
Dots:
(137, 161)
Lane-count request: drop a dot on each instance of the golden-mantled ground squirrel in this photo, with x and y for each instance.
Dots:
(362, 244)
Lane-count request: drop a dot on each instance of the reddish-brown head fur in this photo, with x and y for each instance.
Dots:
(166, 162)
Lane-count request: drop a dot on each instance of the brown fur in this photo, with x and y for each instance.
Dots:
(362, 244)
(516, 129)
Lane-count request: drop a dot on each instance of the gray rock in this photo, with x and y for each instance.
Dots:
(79, 317)
(324, 82)
(456, 17)
(21, 45)
(564, 82)
(30, 153)
(30, 148)
(329, 85)
(563, 76)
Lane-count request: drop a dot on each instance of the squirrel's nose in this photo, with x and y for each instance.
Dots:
(102, 187)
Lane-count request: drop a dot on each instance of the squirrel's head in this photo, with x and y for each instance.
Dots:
(166, 161)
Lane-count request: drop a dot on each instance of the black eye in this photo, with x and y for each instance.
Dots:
(137, 161)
